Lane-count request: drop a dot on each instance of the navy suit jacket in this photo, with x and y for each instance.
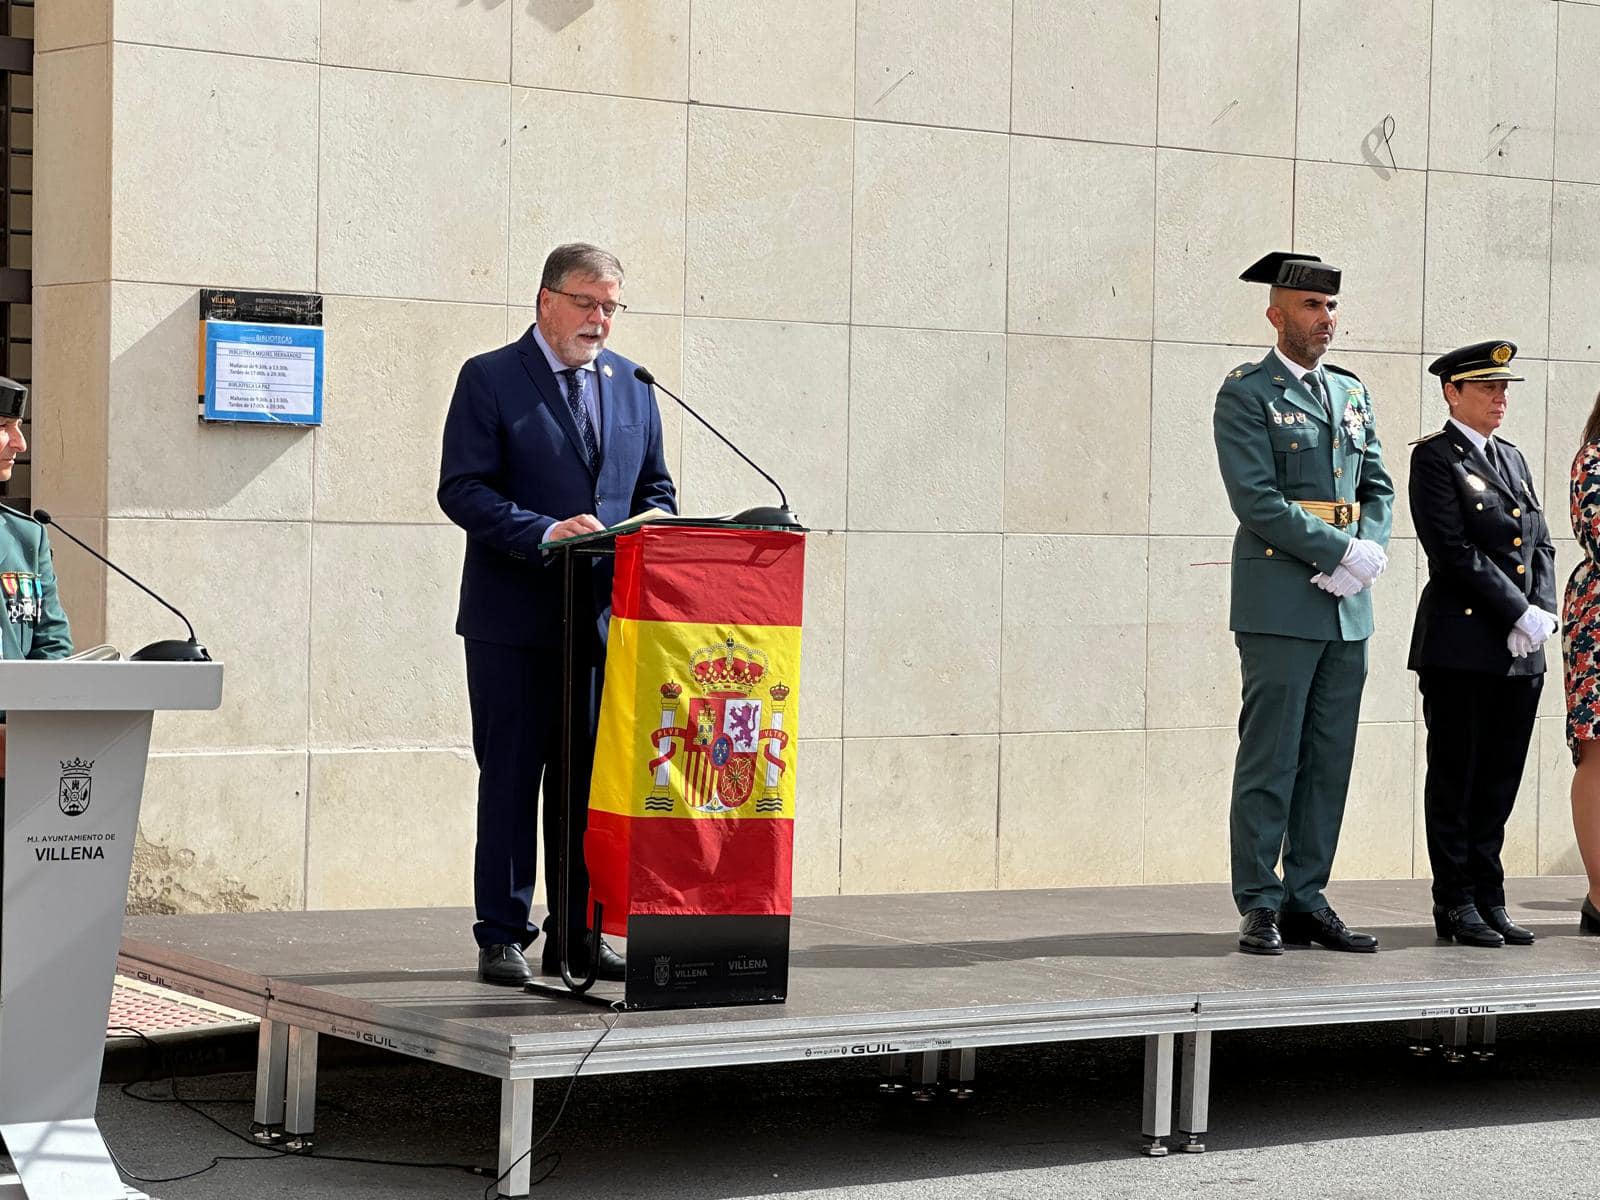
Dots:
(512, 465)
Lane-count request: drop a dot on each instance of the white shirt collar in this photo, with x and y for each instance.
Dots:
(556, 365)
(1299, 371)
(1472, 435)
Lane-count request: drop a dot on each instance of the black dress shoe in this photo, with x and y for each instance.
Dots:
(1500, 921)
(503, 964)
(1258, 932)
(1325, 929)
(1465, 924)
(1588, 917)
(612, 965)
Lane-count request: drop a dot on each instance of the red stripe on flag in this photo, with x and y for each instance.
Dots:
(689, 866)
(709, 576)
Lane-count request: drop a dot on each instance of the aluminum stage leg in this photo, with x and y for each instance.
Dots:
(893, 1075)
(300, 1100)
(272, 1069)
(960, 1070)
(1157, 1093)
(1194, 1091)
(1454, 1030)
(1421, 1035)
(1481, 1030)
(924, 1074)
(516, 1136)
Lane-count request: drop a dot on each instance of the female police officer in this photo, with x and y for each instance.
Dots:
(1478, 642)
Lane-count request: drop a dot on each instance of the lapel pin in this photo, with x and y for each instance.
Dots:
(606, 370)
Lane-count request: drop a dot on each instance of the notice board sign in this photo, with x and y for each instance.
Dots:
(261, 357)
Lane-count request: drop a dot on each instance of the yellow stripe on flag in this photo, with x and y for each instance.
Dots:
(698, 721)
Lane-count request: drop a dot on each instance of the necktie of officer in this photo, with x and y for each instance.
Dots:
(1494, 459)
(1313, 382)
(580, 416)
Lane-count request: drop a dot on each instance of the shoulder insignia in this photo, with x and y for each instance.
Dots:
(1244, 369)
(1341, 371)
(1428, 437)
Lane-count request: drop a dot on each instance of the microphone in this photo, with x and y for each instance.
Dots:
(762, 514)
(171, 650)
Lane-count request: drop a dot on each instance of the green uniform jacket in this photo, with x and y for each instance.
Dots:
(32, 624)
(1275, 446)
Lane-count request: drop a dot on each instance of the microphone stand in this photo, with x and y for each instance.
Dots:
(781, 517)
(169, 650)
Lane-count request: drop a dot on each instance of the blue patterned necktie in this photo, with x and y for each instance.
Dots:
(580, 415)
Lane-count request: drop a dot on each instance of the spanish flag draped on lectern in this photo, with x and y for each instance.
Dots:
(691, 805)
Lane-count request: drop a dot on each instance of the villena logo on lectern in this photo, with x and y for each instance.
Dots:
(76, 779)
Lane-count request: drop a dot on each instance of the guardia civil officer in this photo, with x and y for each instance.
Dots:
(32, 625)
(1478, 643)
(1300, 458)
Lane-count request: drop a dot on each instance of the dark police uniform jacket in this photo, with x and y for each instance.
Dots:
(1489, 555)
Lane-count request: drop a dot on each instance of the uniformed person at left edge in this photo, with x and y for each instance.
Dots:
(1299, 455)
(33, 625)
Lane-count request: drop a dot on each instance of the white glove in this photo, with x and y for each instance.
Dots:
(1365, 559)
(1519, 643)
(1341, 583)
(1537, 624)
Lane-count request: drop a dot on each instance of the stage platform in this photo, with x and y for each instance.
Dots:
(908, 979)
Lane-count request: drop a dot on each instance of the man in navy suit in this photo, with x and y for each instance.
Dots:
(546, 438)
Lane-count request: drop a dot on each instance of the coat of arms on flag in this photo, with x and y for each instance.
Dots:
(724, 745)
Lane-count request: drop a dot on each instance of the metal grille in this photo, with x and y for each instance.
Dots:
(16, 221)
(152, 1010)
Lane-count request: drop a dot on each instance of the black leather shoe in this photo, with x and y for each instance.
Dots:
(1258, 932)
(612, 965)
(503, 964)
(1325, 929)
(1500, 921)
(1465, 924)
(1588, 917)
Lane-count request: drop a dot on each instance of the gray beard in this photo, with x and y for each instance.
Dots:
(1304, 353)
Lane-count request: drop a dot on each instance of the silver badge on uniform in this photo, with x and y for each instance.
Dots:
(1476, 483)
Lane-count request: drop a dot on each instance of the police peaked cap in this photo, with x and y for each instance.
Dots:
(1481, 360)
(1302, 272)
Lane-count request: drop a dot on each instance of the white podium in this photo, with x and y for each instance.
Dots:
(78, 736)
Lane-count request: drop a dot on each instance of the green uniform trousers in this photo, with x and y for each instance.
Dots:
(1297, 739)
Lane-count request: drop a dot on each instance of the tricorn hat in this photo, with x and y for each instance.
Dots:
(13, 399)
(1302, 272)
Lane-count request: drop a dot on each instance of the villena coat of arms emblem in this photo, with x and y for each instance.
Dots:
(76, 779)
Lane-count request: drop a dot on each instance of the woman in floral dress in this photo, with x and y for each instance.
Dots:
(1580, 652)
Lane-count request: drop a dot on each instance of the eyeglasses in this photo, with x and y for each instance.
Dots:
(588, 303)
